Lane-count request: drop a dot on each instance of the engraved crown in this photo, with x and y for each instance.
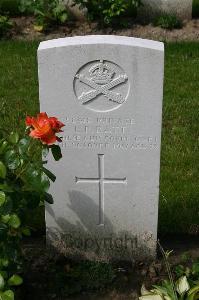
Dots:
(101, 73)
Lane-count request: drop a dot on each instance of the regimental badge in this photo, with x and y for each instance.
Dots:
(99, 82)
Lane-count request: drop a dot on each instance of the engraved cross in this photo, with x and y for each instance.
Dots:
(101, 180)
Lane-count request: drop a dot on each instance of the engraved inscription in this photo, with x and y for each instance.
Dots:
(101, 86)
(114, 133)
(101, 180)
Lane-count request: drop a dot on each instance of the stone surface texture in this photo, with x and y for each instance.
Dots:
(180, 8)
(108, 91)
(75, 10)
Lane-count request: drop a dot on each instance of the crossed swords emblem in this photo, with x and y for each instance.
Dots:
(104, 87)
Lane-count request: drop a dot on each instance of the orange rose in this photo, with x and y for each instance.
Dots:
(44, 128)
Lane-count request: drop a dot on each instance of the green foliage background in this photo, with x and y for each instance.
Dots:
(195, 11)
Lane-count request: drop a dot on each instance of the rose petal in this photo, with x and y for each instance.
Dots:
(45, 128)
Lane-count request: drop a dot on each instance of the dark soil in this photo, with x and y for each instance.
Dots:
(24, 29)
(53, 277)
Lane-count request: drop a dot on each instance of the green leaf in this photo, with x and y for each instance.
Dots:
(193, 292)
(49, 174)
(2, 198)
(2, 170)
(182, 285)
(3, 147)
(49, 198)
(9, 294)
(4, 274)
(15, 280)
(12, 160)
(151, 297)
(195, 268)
(56, 152)
(2, 282)
(13, 138)
(14, 221)
(37, 179)
(167, 298)
(5, 219)
(45, 183)
(3, 296)
(26, 231)
(6, 188)
(63, 17)
(161, 289)
(23, 145)
(4, 263)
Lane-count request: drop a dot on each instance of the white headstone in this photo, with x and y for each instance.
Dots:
(108, 91)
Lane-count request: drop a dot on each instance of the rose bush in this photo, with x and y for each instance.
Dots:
(48, 13)
(24, 184)
(110, 12)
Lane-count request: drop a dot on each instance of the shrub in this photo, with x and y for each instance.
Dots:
(167, 21)
(195, 10)
(24, 182)
(110, 12)
(47, 12)
(184, 286)
(5, 26)
(10, 7)
(181, 290)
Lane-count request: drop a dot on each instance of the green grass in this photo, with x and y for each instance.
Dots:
(18, 81)
(179, 188)
(168, 21)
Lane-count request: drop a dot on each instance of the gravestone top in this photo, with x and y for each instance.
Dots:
(108, 91)
(101, 39)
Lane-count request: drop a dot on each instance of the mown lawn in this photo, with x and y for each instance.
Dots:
(179, 186)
